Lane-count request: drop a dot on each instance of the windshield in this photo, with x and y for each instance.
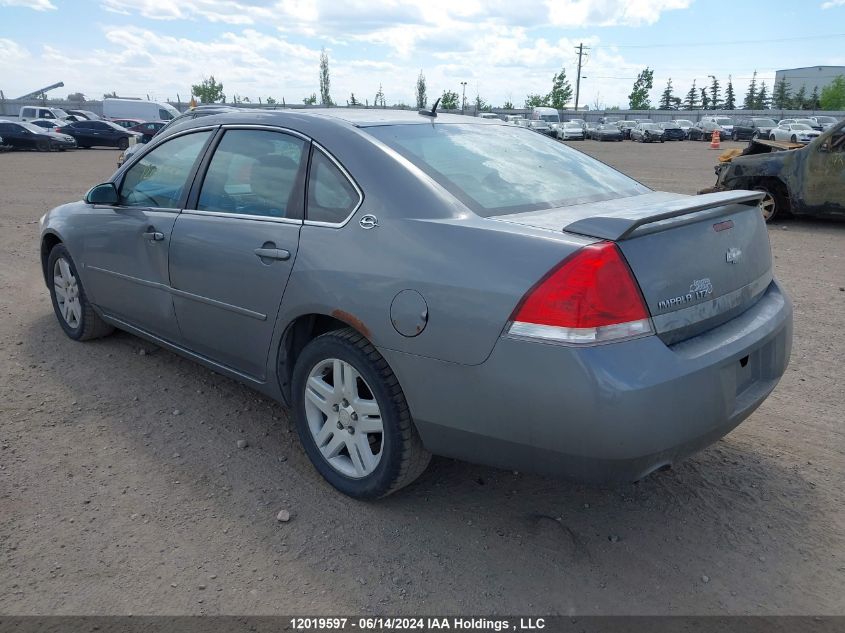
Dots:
(765, 122)
(671, 125)
(825, 119)
(801, 126)
(33, 128)
(648, 126)
(60, 114)
(501, 170)
(572, 126)
(683, 122)
(550, 118)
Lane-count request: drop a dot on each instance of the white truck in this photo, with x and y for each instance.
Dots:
(138, 109)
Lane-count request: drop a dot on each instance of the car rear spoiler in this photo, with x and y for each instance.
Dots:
(623, 224)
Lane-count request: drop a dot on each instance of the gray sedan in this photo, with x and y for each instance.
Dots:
(413, 285)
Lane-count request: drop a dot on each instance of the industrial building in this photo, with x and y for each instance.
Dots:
(811, 77)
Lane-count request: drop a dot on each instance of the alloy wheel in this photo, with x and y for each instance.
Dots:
(66, 288)
(344, 418)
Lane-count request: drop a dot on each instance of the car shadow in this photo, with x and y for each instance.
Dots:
(719, 531)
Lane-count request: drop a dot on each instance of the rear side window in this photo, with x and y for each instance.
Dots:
(164, 115)
(29, 113)
(254, 172)
(160, 178)
(331, 197)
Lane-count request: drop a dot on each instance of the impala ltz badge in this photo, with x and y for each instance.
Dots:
(368, 222)
(733, 255)
(698, 289)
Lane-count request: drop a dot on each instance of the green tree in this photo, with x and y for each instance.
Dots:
(782, 95)
(449, 100)
(751, 95)
(422, 98)
(353, 101)
(762, 102)
(705, 100)
(813, 103)
(715, 93)
(271, 101)
(325, 80)
(666, 96)
(691, 101)
(535, 101)
(833, 94)
(110, 95)
(209, 91)
(508, 105)
(730, 97)
(312, 100)
(799, 101)
(481, 104)
(561, 91)
(379, 98)
(77, 97)
(638, 99)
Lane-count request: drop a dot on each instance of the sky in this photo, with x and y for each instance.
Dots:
(503, 49)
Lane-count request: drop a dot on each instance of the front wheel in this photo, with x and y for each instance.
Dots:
(774, 202)
(793, 139)
(123, 143)
(353, 419)
(734, 136)
(42, 145)
(74, 312)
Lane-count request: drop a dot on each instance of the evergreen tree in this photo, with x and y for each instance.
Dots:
(508, 105)
(762, 100)
(715, 93)
(781, 95)
(325, 81)
(561, 91)
(751, 95)
(691, 102)
(814, 103)
(705, 100)
(480, 103)
(667, 99)
(638, 99)
(353, 101)
(730, 97)
(799, 102)
(379, 98)
(422, 98)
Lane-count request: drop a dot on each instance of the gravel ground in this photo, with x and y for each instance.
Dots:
(123, 489)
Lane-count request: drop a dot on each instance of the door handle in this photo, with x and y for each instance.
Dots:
(272, 253)
(153, 235)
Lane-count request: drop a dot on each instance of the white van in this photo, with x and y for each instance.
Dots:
(138, 109)
(31, 113)
(549, 115)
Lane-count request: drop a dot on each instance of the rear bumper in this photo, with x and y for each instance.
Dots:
(604, 413)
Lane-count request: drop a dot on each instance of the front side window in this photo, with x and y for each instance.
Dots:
(160, 178)
(254, 172)
(331, 197)
(501, 170)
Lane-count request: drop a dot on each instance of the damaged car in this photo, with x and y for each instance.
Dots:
(796, 179)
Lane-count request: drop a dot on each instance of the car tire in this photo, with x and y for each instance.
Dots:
(734, 136)
(775, 202)
(42, 145)
(324, 416)
(793, 139)
(772, 137)
(123, 143)
(74, 312)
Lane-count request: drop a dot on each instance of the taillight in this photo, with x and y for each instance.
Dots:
(590, 297)
(58, 130)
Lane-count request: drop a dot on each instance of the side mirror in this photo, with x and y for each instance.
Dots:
(105, 193)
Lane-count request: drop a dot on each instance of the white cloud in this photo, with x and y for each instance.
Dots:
(37, 5)
(830, 4)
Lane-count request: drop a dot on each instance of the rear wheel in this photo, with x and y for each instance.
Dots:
(42, 145)
(123, 143)
(74, 312)
(793, 139)
(353, 419)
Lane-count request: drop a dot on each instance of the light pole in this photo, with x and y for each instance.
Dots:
(463, 96)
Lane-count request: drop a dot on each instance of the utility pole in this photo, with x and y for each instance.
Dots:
(463, 96)
(581, 49)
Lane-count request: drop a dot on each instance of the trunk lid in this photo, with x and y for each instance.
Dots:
(699, 260)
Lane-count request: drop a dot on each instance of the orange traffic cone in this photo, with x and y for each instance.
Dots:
(714, 140)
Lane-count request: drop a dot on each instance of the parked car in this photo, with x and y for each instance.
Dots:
(724, 122)
(568, 356)
(703, 131)
(541, 126)
(138, 109)
(127, 123)
(799, 181)
(488, 115)
(148, 129)
(30, 113)
(590, 129)
(672, 131)
(794, 133)
(751, 128)
(685, 125)
(826, 122)
(625, 127)
(50, 124)
(24, 135)
(99, 134)
(647, 133)
(513, 118)
(569, 131)
(84, 114)
(607, 132)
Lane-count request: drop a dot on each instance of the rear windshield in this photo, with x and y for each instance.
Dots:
(498, 170)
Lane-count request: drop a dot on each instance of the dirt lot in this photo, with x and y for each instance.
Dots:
(122, 489)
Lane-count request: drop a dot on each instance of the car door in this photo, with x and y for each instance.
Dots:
(824, 173)
(125, 246)
(232, 253)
